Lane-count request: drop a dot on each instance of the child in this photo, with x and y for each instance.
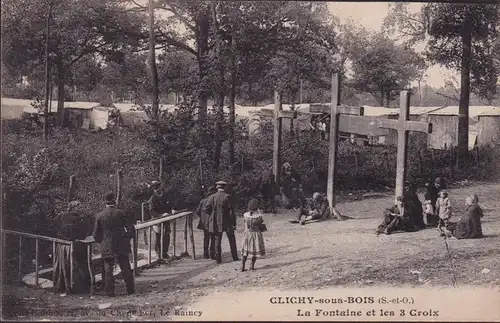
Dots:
(443, 208)
(253, 242)
(429, 216)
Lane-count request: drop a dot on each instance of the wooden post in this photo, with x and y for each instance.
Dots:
(71, 282)
(277, 136)
(91, 272)
(174, 235)
(70, 188)
(36, 262)
(136, 253)
(191, 236)
(162, 232)
(118, 187)
(149, 247)
(20, 260)
(142, 211)
(160, 174)
(332, 156)
(404, 114)
(185, 253)
(53, 255)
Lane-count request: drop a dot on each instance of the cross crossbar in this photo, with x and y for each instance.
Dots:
(405, 125)
(282, 114)
(341, 109)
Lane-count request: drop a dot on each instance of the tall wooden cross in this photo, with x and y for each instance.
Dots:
(279, 114)
(374, 126)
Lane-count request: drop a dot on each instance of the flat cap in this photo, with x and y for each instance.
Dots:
(220, 183)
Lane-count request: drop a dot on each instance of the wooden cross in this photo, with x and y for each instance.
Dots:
(278, 115)
(374, 126)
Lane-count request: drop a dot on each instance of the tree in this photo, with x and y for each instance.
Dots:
(381, 67)
(461, 37)
(78, 29)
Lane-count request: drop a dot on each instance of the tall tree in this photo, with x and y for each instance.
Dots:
(78, 28)
(460, 37)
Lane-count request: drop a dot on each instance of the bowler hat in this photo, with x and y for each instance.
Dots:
(110, 197)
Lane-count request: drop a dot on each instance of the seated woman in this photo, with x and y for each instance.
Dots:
(469, 226)
(396, 218)
(317, 209)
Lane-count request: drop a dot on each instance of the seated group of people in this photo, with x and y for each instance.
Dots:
(408, 214)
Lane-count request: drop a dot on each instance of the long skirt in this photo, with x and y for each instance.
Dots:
(61, 274)
(253, 245)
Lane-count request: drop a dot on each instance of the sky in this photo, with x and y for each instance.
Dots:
(371, 16)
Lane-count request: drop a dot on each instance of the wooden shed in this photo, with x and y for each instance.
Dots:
(488, 127)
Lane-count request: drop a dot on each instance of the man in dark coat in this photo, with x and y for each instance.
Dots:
(159, 204)
(71, 225)
(396, 218)
(412, 202)
(318, 208)
(269, 190)
(113, 229)
(291, 187)
(208, 238)
(221, 219)
(468, 226)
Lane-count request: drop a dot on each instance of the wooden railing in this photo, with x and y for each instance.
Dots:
(37, 238)
(89, 241)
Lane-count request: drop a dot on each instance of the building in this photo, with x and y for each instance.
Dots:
(488, 126)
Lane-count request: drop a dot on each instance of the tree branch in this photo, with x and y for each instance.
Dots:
(180, 17)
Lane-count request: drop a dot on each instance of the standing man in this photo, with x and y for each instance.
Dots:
(222, 219)
(113, 230)
(158, 206)
(208, 239)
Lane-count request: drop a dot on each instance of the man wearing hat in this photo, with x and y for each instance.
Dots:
(113, 230)
(221, 219)
(158, 206)
(208, 238)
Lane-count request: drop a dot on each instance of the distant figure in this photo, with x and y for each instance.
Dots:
(469, 226)
(253, 242)
(396, 218)
(71, 225)
(222, 219)
(113, 230)
(269, 190)
(208, 239)
(159, 204)
(412, 202)
(291, 187)
(318, 208)
(443, 208)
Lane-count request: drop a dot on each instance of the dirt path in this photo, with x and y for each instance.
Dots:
(317, 256)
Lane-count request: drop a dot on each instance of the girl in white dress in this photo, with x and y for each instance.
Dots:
(253, 242)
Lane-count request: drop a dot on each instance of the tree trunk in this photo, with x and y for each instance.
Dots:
(220, 99)
(60, 94)
(463, 110)
(232, 112)
(152, 64)
(203, 27)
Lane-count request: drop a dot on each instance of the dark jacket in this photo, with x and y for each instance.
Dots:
(469, 226)
(268, 187)
(321, 206)
(113, 230)
(71, 226)
(202, 215)
(159, 205)
(221, 216)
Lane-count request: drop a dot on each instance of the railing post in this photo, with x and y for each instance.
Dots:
(161, 242)
(53, 256)
(36, 262)
(20, 259)
(91, 272)
(149, 247)
(142, 212)
(135, 252)
(185, 253)
(174, 235)
(71, 266)
(191, 235)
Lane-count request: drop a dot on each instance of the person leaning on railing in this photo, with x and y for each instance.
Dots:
(159, 204)
(71, 225)
(113, 230)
